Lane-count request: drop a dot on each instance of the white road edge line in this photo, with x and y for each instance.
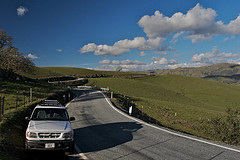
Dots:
(80, 154)
(176, 134)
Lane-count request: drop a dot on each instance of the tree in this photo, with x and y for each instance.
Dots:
(5, 40)
(119, 69)
(11, 60)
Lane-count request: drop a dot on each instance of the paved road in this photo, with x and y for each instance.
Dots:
(103, 133)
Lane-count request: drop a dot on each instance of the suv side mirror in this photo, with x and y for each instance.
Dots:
(72, 118)
(27, 118)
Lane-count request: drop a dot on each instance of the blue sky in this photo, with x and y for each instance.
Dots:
(132, 34)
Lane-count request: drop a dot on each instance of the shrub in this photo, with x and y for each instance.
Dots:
(227, 127)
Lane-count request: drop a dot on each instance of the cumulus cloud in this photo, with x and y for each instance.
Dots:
(129, 65)
(199, 23)
(163, 53)
(142, 54)
(103, 49)
(123, 62)
(21, 11)
(155, 58)
(90, 47)
(164, 61)
(137, 67)
(215, 56)
(59, 50)
(140, 43)
(32, 56)
(105, 61)
(123, 46)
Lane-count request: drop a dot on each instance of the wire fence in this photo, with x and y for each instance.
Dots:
(20, 98)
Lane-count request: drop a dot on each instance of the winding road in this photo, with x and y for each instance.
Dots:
(103, 133)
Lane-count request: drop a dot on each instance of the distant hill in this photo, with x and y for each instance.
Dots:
(223, 72)
(53, 72)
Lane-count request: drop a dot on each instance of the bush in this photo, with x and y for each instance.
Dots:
(227, 127)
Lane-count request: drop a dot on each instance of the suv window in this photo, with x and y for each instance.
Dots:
(50, 114)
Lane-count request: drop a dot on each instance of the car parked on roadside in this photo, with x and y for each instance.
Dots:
(49, 128)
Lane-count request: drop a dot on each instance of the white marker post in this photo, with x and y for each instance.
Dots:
(130, 110)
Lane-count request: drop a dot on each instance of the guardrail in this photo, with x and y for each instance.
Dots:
(91, 87)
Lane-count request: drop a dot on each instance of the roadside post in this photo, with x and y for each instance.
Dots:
(64, 98)
(30, 96)
(111, 95)
(130, 110)
(3, 98)
(24, 97)
(0, 105)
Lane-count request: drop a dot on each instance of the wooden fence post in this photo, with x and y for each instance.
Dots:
(3, 98)
(0, 105)
(17, 100)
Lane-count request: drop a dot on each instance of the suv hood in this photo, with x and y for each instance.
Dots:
(43, 126)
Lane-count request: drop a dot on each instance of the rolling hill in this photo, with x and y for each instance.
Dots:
(179, 102)
(223, 72)
(53, 72)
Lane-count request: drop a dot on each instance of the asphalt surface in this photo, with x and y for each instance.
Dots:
(103, 133)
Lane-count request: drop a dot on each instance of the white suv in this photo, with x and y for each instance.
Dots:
(49, 128)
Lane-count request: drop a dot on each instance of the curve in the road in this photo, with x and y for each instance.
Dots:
(104, 132)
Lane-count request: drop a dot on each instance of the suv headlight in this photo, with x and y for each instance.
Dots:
(68, 135)
(31, 135)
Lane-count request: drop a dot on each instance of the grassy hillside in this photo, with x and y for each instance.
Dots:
(221, 69)
(50, 72)
(39, 72)
(223, 72)
(176, 101)
(81, 72)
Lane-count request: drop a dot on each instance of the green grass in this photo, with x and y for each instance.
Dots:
(49, 72)
(81, 72)
(178, 102)
(38, 72)
(13, 91)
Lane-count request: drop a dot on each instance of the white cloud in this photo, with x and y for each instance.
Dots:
(161, 61)
(123, 46)
(172, 61)
(90, 47)
(103, 49)
(21, 11)
(115, 62)
(199, 37)
(199, 23)
(105, 61)
(123, 62)
(32, 56)
(142, 54)
(163, 53)
(140, 43)
(109, 50)
(136, 66)
(155, 58)
(129, 65)
(175, 37)
(164, 61)
(214, 57)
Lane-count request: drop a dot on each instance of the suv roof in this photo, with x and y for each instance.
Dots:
(50, 103)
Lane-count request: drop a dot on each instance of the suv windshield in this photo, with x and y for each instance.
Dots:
(50, 114)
